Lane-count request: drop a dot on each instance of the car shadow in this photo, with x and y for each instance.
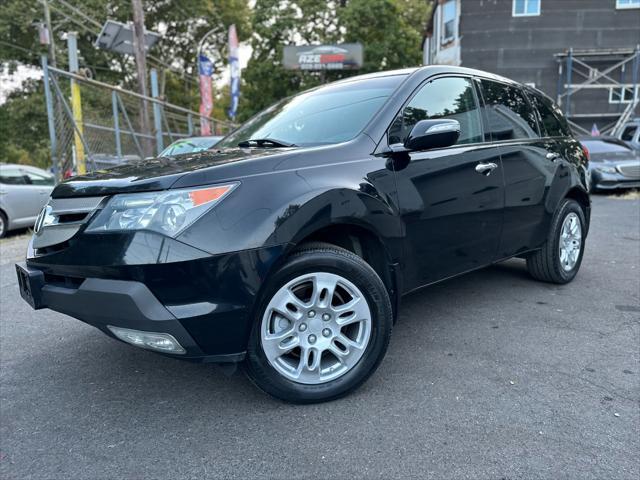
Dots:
(86, 364)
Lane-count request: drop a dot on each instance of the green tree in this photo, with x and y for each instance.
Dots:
(391, 32)
(182, 24)
(23, 127)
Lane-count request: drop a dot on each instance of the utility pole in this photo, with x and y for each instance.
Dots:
(53, 107)
(141, 65)
(51, 45)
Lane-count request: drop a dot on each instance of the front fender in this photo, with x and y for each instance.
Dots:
(285, 207)
(340, 206)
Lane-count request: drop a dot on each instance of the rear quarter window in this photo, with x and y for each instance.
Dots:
(552, 122)
(509, 114)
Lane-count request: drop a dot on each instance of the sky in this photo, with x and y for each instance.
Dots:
(11, 82)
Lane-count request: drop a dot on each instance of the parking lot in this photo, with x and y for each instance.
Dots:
(490, 375)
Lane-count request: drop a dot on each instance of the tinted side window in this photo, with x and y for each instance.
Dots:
(38, 179)
(628, 133)
(509, 114)
(550, 116)
(452, 98)
(13, 176)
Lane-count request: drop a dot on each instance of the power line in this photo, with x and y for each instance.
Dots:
(73, 20)
(153, 59)
(81, 13)
(18, 47)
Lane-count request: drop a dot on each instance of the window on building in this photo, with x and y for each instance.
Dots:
(526, 8)
(621, 95)
(448, 21)
(452, 98)
(627, 3)
(552, 123)
(509, 114)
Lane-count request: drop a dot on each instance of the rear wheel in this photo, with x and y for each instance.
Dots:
(324, 325)
(558, 261)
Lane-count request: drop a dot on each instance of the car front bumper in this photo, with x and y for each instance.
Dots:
(612, 181)
(206, 304)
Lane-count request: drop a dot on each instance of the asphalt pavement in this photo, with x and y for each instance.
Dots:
(488, 376)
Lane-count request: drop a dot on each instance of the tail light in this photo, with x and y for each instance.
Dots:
(586, 152)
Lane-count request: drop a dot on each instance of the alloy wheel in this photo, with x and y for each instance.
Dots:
(316, 328)
(570, 242)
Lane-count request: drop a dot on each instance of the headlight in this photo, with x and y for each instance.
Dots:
(168, 212)
(606, 169)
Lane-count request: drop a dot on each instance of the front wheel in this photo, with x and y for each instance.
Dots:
(323, 326)
(558, 261)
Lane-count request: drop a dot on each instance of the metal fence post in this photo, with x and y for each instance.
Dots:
(190, 125)
(116, 122)
(130, 125)
(50, 118)
(78, 132)
(635, 66)
(157, 112)
(567, 107)
(76, 102)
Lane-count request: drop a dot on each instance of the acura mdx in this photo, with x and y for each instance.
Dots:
(289, 245)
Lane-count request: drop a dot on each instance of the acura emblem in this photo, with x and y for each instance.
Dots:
(42, 217)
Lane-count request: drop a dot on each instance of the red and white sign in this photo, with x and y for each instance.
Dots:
(205, 69)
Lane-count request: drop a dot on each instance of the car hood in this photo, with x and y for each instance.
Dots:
(163, 172)
(613, 157)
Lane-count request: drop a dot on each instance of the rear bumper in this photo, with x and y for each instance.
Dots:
(205, 304)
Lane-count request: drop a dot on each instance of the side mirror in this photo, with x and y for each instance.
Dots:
(427, 134)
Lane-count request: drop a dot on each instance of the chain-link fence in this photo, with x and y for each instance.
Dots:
(103, 126)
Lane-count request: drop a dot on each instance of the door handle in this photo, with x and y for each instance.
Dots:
(552, 155)
(486, 168)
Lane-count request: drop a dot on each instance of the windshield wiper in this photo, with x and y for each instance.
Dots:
(265, 143)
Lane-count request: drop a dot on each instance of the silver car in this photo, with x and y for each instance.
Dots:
(23, 192)
(631, 133)
(190, 145)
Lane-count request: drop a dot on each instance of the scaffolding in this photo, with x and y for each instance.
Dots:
(611, 71)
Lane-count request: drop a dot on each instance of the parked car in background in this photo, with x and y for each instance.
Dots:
(290, 245)
(24, 190)
(190, 145)
(613, 163)
(631, 133)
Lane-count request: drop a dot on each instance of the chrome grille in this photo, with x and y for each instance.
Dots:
(631, 170)
(62, 218)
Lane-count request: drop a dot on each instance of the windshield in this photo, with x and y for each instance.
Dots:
(599, 146)
(189, 145)
(332, 114)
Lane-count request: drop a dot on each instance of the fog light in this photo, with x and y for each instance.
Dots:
(162, 342)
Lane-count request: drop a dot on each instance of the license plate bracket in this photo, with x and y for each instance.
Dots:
(30, 282)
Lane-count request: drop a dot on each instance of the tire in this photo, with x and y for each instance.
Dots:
(4, 224)
(334, 364)
(548, 264)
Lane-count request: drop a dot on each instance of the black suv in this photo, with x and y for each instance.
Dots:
(289, 246)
